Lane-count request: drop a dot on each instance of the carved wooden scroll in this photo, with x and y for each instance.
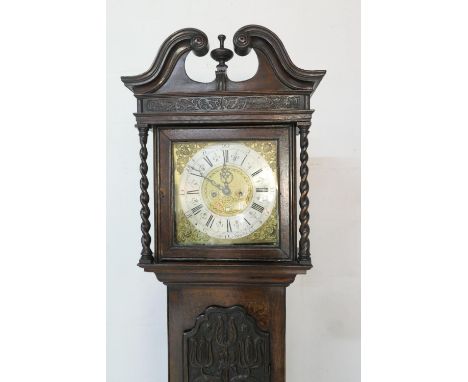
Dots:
(176, 46)
(226, 346)
(268, 44)
(276, 72)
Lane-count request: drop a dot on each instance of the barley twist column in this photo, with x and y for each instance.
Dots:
(304, 242)
(146, 252)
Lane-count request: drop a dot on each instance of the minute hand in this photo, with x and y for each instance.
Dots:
(217, 185)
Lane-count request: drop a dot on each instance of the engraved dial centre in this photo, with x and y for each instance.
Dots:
(227, 190)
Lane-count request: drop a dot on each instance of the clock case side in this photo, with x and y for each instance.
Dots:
(278, 94)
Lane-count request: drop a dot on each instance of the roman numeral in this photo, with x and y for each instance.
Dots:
(257, 207)
(244, 159)
(247, 221)
(228, 226)
(262, 189)
(193, 192)
(226, 156)
(207, 160)
(210, 221)
(257, 172)
(197, 209)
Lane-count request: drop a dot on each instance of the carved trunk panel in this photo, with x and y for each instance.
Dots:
(226, 346)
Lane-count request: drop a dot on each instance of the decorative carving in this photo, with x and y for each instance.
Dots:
(217, 103)
(304, 242)
(199, 44)
(226, 346)
(241, 42)
(146, 252)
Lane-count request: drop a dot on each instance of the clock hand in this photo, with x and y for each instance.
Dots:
(227, 177)
(226, 190)
(217, 185)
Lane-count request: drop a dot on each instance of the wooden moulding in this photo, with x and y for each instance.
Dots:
(223, 273)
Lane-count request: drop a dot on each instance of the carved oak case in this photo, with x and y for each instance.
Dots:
(229, 185)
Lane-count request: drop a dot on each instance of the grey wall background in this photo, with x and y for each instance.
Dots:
(323, 308)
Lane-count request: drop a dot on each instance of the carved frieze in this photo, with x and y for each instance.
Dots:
(222, 103)
(226, 346)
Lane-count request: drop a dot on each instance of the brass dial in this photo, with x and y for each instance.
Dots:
(226, 192)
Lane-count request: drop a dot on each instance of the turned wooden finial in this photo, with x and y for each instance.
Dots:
(222, 55)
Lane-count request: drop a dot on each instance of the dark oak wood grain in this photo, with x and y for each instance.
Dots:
(226, 304)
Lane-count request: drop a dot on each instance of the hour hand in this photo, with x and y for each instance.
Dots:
(226, 176)
(226, 190)
(217, 185)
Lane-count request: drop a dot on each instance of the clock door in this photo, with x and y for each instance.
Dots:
(227, 193)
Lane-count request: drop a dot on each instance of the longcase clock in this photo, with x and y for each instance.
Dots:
(227, 199)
